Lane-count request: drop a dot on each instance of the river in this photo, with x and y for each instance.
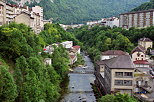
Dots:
(79, 87)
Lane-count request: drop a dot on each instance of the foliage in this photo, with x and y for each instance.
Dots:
(29, 79)
(54, 33)
(145, 6)
(117, 98)
(81, 11)
(8, 88)
(100, 38)
(80, 61)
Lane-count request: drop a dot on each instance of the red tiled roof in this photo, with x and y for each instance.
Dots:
(77, 47)
(141, 62)
(72, 56)
(145, 39)
(139, 48)
(114, 52)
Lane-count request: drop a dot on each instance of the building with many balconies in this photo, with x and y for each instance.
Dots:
(137, 19)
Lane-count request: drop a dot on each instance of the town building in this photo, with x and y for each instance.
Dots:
(18, 14)
(137, 19)
(138, 53)
(67, 44)
(77, 48)
(141, 64)
(111, 54)
(24, 18)
(47, 61)
(116, 75)
(143, 87)
(9, 13)
(39, 10)
(2, 13)
(111, 22)
(145, 42)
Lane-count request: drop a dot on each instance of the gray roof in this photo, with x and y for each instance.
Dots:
(122, 62)
(150, 10)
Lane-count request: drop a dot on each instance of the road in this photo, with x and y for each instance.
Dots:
(79, 86)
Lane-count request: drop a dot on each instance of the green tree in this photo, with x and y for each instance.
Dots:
(107, 98)
(8, 88)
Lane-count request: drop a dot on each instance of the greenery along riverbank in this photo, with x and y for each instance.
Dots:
(98, 39)
(24, 76)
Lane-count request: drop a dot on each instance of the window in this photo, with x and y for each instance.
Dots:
(128, 74)
(127, 82)
(118, 82)
(119, 74)
(141, 55)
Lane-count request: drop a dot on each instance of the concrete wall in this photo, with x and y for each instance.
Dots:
(146, 44)
(122, 88)
(2, 13)
(23, 18)
(138, 19)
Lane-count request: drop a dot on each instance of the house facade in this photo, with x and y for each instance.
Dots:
(115, 75)
(145, 42)
(24, 18)
(111, 22)
(137, 19)
(138, 53)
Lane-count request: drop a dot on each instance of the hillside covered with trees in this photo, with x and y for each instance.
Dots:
(81, 11)
(23, 75)
(145, 6)
(100, 38)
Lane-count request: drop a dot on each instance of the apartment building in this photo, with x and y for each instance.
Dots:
(17, 13)
(2, 13)
(39, 10)
(116, 76)
(137, 19)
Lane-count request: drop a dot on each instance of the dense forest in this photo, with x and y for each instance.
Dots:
(100, 38)
(81, 11)
(24, 76)
(145, 6)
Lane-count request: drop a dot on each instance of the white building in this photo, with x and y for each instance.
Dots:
(47, 61)
(67, 44)
(39, 10)
(111, 22)
(111, 54)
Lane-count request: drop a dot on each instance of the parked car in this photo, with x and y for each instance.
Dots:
(85, 67)
(152, 73)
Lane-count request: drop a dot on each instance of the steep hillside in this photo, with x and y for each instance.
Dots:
(145, 6)
(80, 11)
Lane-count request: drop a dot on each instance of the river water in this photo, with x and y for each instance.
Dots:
(79, 87)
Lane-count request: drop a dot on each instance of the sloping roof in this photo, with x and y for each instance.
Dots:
(101, 62)
(138, 12)
(141, 62)
(72, 56)
(145, 39)
(123, 61)
(77, 47)
(139, 48)
(114, 52)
